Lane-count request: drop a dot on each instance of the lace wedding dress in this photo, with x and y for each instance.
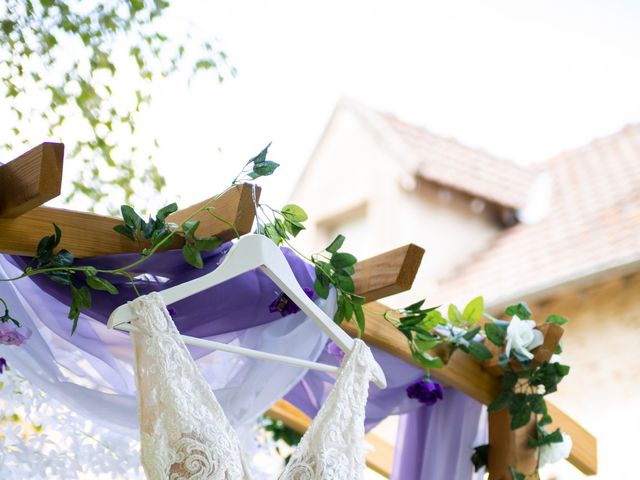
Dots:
(184, 431)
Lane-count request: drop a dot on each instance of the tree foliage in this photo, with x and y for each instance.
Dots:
(91, 64)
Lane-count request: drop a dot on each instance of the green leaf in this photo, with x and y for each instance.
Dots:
(480, 457)
(294, 213)
(454, 315)
(471, 333)
(501, 401)
(557, 319)
(58, 235)
(520, 418)
(479, 351)
(189, 228)
(473, 311)
(344, 282)
(360, 319)
(192, 256)
(280, 228)
(130, 217)
(123, 229)
(206, 244)
(522, 310)
(426, 360)
(62, 259)
(347, 308)
(415, 306)
(495, 334)
(294, 228)
(271, 232)
(515, 474)
(321, 284)
(80, 298)
(342, 260)
(61, 277)
(263, 169)
(336, 244)
(45, 246)
(261, 157)
(537, 403)
(164, 212)
(426, 343)
(433, 319)
(99, 283)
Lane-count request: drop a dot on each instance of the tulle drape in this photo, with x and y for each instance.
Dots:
(92, 373)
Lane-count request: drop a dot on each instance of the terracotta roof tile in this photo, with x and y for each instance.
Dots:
(448, 162)
(594, 226)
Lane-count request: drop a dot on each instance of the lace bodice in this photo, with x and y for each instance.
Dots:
(186, 435)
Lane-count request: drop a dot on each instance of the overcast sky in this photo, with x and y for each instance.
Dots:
(523, 80)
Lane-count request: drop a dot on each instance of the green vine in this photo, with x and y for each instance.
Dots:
(431, 336)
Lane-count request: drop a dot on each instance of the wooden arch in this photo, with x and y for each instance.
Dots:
(35, 177)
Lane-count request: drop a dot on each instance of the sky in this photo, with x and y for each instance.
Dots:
(522, 80)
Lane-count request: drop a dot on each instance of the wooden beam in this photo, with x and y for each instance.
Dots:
(463, 373)
(90, 235)
(31, 179)
(389, 273)
(380, 459)
(236, 208)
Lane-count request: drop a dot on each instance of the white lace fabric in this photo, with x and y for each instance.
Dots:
(186, 435)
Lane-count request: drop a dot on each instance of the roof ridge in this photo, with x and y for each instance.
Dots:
(564, 154)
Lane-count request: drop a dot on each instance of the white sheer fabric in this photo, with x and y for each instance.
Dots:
(186, 435)
(79, 378)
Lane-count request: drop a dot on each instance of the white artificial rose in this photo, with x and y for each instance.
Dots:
(523, 337)
(554, 452)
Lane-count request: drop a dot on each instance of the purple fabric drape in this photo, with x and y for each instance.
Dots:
(437, 442)
(227, 312)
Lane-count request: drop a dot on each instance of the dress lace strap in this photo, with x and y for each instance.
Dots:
(184, 432)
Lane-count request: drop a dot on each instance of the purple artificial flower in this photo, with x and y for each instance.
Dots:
(3, 364)
(9, 334)
(285, 306)
(426, 391)
(334, 349)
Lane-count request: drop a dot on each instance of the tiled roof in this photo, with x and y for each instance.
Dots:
(593, 227)
(449, 163)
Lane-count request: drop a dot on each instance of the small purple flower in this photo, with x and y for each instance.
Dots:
(3, 364)
(285, 306)
(426, 391)
(334, 349)
(172, 311)
(9, 334)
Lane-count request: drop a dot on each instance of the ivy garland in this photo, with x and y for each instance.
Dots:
(431, 336)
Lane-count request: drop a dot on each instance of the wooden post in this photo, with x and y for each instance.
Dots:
(509, 447)
(31, 179)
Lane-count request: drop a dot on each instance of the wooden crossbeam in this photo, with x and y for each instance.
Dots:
(467, 375)
(388, 273)
(90, 235)
(31, 179)
(379, 459)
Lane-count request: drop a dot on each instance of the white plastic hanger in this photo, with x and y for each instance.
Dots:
(251, 252)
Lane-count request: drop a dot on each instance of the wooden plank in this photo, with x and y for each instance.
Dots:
(236, 208)
(31, 179)
(379, 459)
(89, 235)
(463, 373)
(389, 273)
(585, 446)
